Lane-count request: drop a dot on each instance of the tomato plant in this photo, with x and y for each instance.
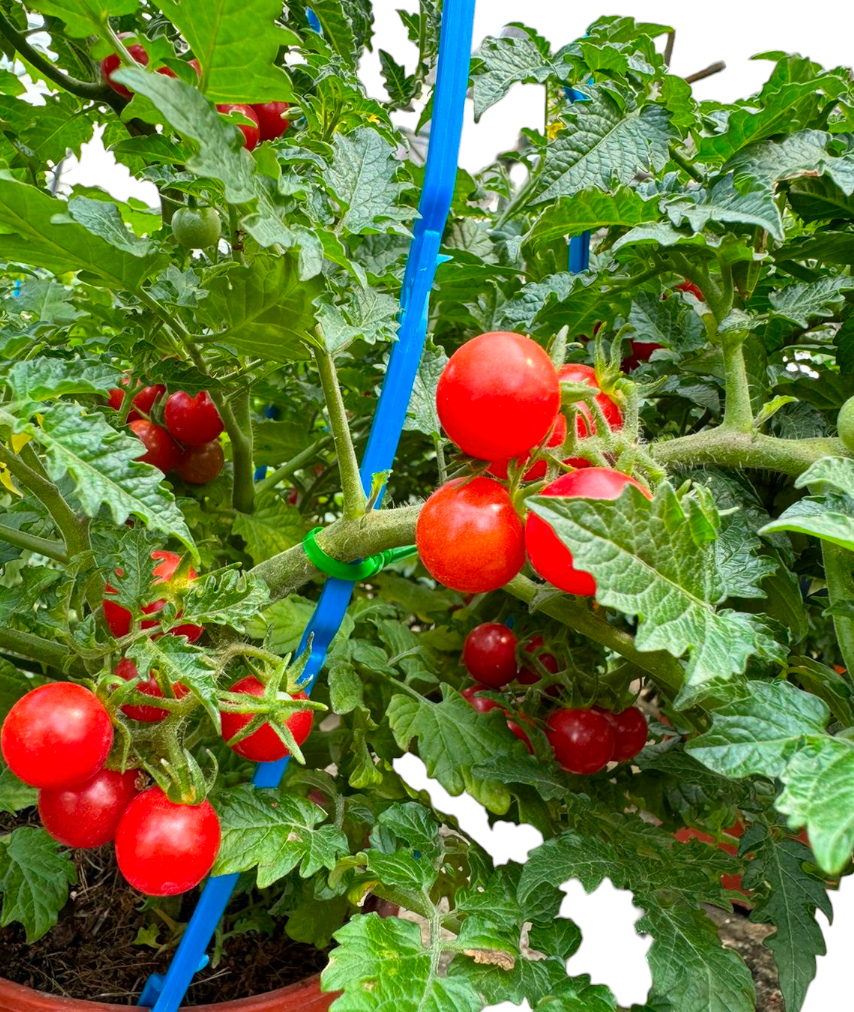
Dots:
(670, 661)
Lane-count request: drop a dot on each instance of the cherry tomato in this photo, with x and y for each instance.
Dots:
(194, 63)
(164, 849)
(192, 420)
(548, 555)
(489, 654)
(58, 735)
(498, 396)
(641, 352)
(630, 731)
(528, 676)
(583, 740)
(88, 816)
(536, 471)
(161, 450)
(200, 464)
(731, 882)
(196, 227)
(119, 619)
(127, 670)
(251, 134)
(585, 425)
(689, 286)
(263, 745)
(142, 402)
(483, 705)
(470, 537)
(270, 119)
(112, 63)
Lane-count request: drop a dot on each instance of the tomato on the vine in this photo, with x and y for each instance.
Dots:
(585, 425)
(57, 735)
(196, 227)
(201, 464)
(688, 286)
(470, 537)
(127, 670)
(88, 816)
(251, 132)
(163, 848)
(483, 705)
(143, 402)
(548, 555)
(161, 450)
(489, 654)
(498, 396)
(271, 121)
(630, 731)
(537, 471)
(528, 676)
(263, 745)
(583, 741)
(192, 420)
(119, 619)
(111, 63)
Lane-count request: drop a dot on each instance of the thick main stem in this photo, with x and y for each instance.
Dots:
(738, 414)
(237, 419)
(32, 543)
(355, 500)
(36, 648)
(730, 448)
(839, 573)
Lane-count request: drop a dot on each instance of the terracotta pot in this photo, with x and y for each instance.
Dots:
(304, 996)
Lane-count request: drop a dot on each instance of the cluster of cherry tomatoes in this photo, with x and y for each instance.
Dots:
(499, 400)
(187, 443)
(267, 118)
(584, 740)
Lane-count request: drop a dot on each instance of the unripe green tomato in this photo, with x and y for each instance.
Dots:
(845, 423)
(196, 227)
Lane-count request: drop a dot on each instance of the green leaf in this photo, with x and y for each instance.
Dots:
(85, 17)
(281, 625)
(381, 964)
(802, 154)
(273, 527)
(366, 314)
(830, 516)
(276, 832)
(820, 200)
(590, 210)
(14, 794)
(102, 218)
(34, 879)
(603, 145)
(45, 379)
(421, 415)
(361, 179)
(787, 895)
(48, 300)
(217, 33)
(803, 303)
(227, 598)
(401, 87)
(502, 62)
(724, 204)
(28, 235)
(646, 563)
(668, 322)
(179, 661)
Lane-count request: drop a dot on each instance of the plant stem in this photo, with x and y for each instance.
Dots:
(72, 527)
(32, 543)
(237, 419)
(738, 414)
(685, 165)
(839, 573)
(294, 464)
(36, 648)
(355, 500)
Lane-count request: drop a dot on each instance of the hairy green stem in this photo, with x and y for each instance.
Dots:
(32, 543)
(237, 419)
(36, 648)
(294, 464)
(355, 500)
(738, 414)
(685, 165)
(839, 573)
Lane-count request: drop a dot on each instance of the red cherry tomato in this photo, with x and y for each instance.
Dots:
(630, 731)
(731, 882)
(251, 134)
(585, 425)
(192, 420)
(127, 670)
(489, 654)
(548, 555)
(528, 676)
(582, 740)
(142, 402)
(194, 63)
(200, 464)
(264, 745)
(470, 537)
(536, 471)
(689, 286)
(498, 396)
(270, 119)
(483, 705)
(112, 63)
(88, 816)
(164, 849)
(161, 450)
(119, 619)
(58, 735)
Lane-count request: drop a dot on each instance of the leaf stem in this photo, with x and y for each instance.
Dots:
(738, 413)
(839, 573)
(36, 648)
(32, 543)
(237, 419)
(294, 464)
(355, 500)
(685, 165)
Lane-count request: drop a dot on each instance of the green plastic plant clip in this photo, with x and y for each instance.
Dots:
(351, 570)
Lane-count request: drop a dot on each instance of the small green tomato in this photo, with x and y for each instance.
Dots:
(196, 227)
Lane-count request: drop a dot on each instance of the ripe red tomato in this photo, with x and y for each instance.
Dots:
(585, 425)
(583, 740)
(270, 119)
(641, 352)
(127, 670)
(88, 816)
(58, 735)
(119, 619)
(689, 286)
(470, 537)
(251, 134)
(164, 849)
(192, 420)
(528, 676)
(112, 63)
(200, 464)
(143, 401)
(548, 555)
(263, 745)
(630, 731)
(489, 654)
(161, 450)
(536, 471)
(483, 705)
(498, 396)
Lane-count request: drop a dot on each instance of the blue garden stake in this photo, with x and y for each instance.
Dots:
(579, 245)
(166, 992)
(271, 411)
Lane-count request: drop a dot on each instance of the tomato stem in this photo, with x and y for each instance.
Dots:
(839, 573)
(738, 413)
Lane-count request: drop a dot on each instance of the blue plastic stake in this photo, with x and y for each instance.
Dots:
(579, 245)
(167, 992)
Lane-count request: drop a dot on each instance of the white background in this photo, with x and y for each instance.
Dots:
(706, 32)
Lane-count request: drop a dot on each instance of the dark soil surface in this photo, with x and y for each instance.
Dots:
(738, 932)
